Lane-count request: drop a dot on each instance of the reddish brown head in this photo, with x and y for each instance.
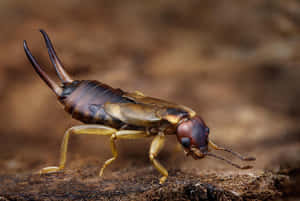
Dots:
(193, 136)
(193, 133)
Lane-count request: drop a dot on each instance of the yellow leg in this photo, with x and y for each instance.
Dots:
(93, 130)
(82, 129)
(156, 145)
(114, 152)
(124, 134)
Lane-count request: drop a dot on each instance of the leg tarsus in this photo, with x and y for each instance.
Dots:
(114, 152)
(50, 169)
(156, 145)
(160, 168)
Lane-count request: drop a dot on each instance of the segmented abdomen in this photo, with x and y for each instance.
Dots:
(87, 99)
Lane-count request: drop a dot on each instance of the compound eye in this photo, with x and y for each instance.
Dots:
(207, 130)
(186, 142)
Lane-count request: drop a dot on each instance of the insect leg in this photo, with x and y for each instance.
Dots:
(114, 152)
(78, 130)
(156, 145)
(123, 134)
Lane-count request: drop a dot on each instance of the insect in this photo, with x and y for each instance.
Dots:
(126, 115)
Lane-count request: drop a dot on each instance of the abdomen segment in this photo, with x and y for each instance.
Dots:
(85, 103)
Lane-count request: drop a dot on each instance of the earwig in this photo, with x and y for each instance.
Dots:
(124, 115)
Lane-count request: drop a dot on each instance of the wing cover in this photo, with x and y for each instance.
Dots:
(146, 111)
(133, 113)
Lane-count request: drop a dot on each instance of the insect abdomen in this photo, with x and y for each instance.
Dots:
(86, 99)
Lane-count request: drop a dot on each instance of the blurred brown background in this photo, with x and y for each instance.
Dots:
(237, 63)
